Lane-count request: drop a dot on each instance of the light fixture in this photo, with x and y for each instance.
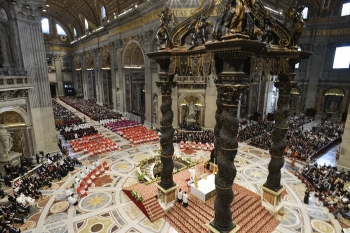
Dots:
(44, 10)
(47, 5)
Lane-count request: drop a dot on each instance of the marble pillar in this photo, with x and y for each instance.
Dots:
(344, 155)
(345, 101)
(320, 100)
(315, 71)
(31, 44)
(59, 75)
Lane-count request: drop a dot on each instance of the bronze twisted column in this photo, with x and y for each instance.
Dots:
(284, 85)
(167, 130)
(226, 129)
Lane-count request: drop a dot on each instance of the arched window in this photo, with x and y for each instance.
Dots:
(60, 30)
(305, 12)
(45, 26)
(346, 9)
(75, 33)
(86, 25)
(103, 14)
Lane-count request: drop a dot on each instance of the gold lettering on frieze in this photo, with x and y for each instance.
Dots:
(327, 32)
(178, 12)
(58, 48)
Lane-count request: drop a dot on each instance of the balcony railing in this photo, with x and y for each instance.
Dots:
(14, 81)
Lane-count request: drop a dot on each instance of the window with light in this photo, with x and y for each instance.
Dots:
(342, 58)
(103, 14)
(45, 26)
(305, 12)
(60, 30)
(346, 9)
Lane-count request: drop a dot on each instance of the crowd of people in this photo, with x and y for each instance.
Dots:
(303, 143)
(205, 136)
(254, 130)
(329, 185)
(67, 116)
(91, 108)
(27, 185)
(77, 131)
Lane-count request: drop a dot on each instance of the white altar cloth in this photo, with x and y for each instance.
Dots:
(205, 189)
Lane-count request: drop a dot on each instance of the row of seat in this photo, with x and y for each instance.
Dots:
(195, 146)
(90, 178)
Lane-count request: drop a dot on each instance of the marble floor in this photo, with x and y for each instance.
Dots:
(107, 209)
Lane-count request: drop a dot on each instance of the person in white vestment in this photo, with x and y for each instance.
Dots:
(68, 192)
(179, 196)
(185, 199)
(72, 200)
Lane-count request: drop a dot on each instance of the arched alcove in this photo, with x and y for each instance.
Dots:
(333, 99)
(106, 76)
(134, 74)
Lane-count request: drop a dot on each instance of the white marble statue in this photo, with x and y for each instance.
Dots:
(5, 142)
(192, 110)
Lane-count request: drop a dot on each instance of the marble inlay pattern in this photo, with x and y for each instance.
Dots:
(132, 210)
(59, 207)
(321, 226)
(318, 214)
(140, 156)
(91, 222)
(290, 218)
(122, 167)
(95, 201)
(255, 173)
(62, 229)
(153, 226)
(56, 218)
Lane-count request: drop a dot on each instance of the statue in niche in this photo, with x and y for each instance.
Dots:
(155, 104)
(191, 114)
(190, 119)
(5, 142)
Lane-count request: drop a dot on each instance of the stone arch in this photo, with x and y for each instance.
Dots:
(187, 95)
(133, 55)
(336, 91)
(19, 111)
(295, 91)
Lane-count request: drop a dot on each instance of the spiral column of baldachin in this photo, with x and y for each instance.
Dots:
(284, 85)
(227, 124)
(167, 136)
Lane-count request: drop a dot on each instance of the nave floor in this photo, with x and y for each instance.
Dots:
(108, 209)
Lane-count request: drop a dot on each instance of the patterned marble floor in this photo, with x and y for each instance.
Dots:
(107, 209)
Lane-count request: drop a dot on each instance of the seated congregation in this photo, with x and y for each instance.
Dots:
(331, 187)
(91, 108)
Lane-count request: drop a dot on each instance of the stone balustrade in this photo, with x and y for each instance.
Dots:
(14, 81)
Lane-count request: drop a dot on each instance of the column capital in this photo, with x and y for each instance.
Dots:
(166, 87)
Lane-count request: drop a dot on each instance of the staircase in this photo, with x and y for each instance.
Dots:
(247, 212)
(154, 210)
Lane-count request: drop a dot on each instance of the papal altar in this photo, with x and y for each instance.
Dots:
(206, 188)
